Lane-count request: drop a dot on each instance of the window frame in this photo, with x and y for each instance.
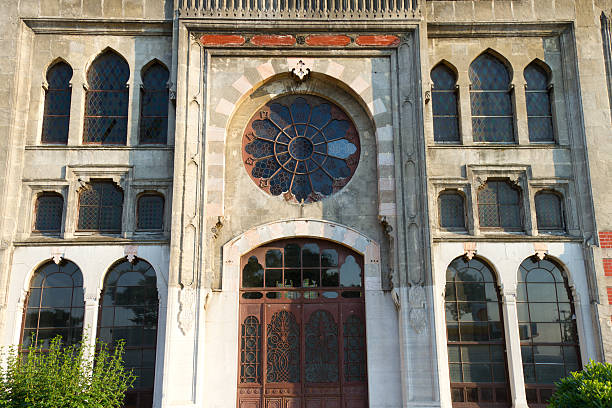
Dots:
(149, 193)
(455, 92)
(47, 89)
(549, 91)
(99, 207)
(520, 204)
(454, 192)
(144, 90)
(38, 196)
(562, 213)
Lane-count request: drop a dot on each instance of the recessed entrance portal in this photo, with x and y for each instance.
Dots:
(302, 327)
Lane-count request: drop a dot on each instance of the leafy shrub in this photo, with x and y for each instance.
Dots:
(64, 376)
(590, 388)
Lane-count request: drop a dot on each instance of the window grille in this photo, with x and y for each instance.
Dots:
(549, 211)
(55, 305)
(475, 330)
(499, 206)
(547, 328)
(444, 104)
(154, 105)
(150, 212)
(492, 113)
(106, 100)
(539, 113)
(58, 95)
(129, 310)
(49, 210)
(100, 207)
(452, 211)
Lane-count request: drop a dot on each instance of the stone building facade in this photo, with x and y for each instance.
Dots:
(440, 168)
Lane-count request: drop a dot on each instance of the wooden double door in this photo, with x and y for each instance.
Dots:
(302, 347)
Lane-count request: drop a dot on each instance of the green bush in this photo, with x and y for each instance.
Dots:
(64, 377)
(589, 388)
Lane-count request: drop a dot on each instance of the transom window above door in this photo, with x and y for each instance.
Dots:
(301, 146)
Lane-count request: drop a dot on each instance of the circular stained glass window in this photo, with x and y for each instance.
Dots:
(301, 146)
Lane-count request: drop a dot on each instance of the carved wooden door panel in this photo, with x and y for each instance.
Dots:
(302, 327)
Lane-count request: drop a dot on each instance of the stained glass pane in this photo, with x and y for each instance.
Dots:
(150, 212)
(548, 211)
(452, 211)
(49, 210)
(354, 349)
(57, 104)
(154, 105)
(304, 147)
(55, 304)
(493, 129)
(444, 105)
(106, 100)
(488, 73)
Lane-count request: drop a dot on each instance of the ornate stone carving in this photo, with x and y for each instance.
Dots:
(416, 301)
(469, 249)
(186, 314)
(541, 249)
(301, 69)
(130, 252)
(57, 254)
(217, 228)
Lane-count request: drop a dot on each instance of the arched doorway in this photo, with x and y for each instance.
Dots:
(302, 327)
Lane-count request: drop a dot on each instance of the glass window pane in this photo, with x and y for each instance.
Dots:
(549, 373)
(274, 278)
(541, 292)
(544, 312)
(293, 278)
(252, 274)
(292, 256)
(452, 211)
(475, 354)
(274, 258)
(329, 257)
(546, 332)
(548, 354)
(477, 373)
(350, 273)
(330, 277)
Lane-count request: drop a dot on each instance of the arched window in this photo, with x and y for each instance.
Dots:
(154, 104)
(106, 100)
(452, 210)
(499, 206)
(100, 207)
(547, 326)
(57, 104)
(492, 113)
(444, 104)
(549, 211)
(150, 212)
(128, 311)
(55, 304)
(539, 113)
(49, 210)
(476, 345)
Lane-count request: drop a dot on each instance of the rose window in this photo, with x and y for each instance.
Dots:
(301, 146)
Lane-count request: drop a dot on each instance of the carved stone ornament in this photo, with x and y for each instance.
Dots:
(469, 249)
(301, 69)
(57, 254)
(130, 252)
(417, 315)
(541, 249)
(186, 314)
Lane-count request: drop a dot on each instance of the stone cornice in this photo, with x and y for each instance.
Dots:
(85, 26)
(496, 29)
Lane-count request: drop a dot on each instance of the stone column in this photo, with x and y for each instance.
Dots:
(520, 110)
(90, 319)
(513, 347)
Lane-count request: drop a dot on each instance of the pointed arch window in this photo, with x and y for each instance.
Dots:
(476, 343)
(547, 327)
(154, 105)
(444, 104)
(539, 112)
(49, 210)
(58, 95)
(100, 207)
(129, 310)
(491, 101)
(499, 206)
(106, 100)
(55, 305)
